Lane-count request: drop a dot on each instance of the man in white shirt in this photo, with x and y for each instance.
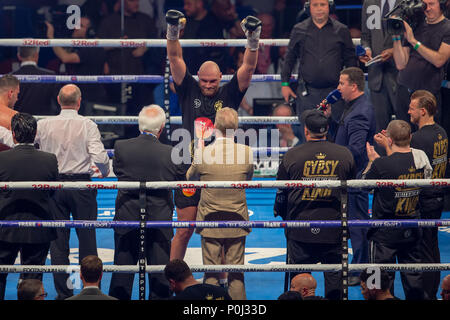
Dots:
(75, 140)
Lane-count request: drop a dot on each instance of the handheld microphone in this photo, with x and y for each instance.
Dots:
(360, 51)
(333, 97)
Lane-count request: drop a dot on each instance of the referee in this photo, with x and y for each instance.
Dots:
(76, 142)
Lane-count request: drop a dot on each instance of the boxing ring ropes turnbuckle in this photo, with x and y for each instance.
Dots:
(142, 268)
(143, 224)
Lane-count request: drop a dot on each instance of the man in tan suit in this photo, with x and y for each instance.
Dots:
(223, 160)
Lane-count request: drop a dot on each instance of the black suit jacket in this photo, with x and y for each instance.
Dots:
(25, 163)
(144, 158)
(37, 98)
(91, 294)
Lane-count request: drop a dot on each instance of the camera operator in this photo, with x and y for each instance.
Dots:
(422, 55)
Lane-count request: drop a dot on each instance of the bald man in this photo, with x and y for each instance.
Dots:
(306, 285)
(445, 286)
(200, 100)
(288, 133)
(76, 142)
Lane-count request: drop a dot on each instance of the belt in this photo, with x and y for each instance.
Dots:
(74, 176)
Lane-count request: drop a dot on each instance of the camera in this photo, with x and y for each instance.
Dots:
(411, 11)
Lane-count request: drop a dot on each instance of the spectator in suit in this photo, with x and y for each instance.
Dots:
(213, 163)
(382, 76)
(32, 243)
(143, 158)
(31, 289)
(35, 98)
(91, 272)
(9, 93)
(306, 285)
(183, 284)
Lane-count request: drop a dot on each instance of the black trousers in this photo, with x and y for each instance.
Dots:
(429, 245)
(30, 253)
(83, 206)
(412, 282)
(126, 252)
(309, 253)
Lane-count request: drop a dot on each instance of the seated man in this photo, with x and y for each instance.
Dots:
(378, 289)
(184, 285)
(31, 289)
(91, 272)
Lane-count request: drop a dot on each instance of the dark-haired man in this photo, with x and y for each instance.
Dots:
(184, 285)
(376, 286)
(356, 126)
(35, 98)
(314, 160)
(25, 163)
(91, 272)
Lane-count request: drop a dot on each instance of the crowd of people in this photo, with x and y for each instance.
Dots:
(355, 137)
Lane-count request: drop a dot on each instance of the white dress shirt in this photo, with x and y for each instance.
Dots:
(6, 137)
(76, 142)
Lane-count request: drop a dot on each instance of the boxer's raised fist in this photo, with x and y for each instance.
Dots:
(173, 17)
(175, 22)
(252, 29)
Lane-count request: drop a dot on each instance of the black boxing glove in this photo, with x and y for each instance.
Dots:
(252, 29)
(175, 22)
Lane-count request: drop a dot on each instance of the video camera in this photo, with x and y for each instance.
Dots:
(411, 11)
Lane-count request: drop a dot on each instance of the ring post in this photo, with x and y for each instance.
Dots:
(344, 221)
(142, 239)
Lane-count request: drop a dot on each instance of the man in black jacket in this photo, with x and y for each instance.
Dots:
(143, 158)
(33, 243)
(317, 159)
(35, 98)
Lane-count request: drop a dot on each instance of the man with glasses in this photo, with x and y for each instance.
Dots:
(31, 289)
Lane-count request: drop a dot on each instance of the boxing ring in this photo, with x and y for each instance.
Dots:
(260, 198)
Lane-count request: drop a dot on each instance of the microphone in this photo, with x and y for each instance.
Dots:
(360, 51)
(333, 97)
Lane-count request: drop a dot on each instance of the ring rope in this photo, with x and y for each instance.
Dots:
(260, 151)
(403, 223)
(412, 267)
(273, 184)
(177, 119)
(134, 43)
(129, 78)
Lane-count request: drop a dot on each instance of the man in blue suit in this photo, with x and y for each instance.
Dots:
(356, 127)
